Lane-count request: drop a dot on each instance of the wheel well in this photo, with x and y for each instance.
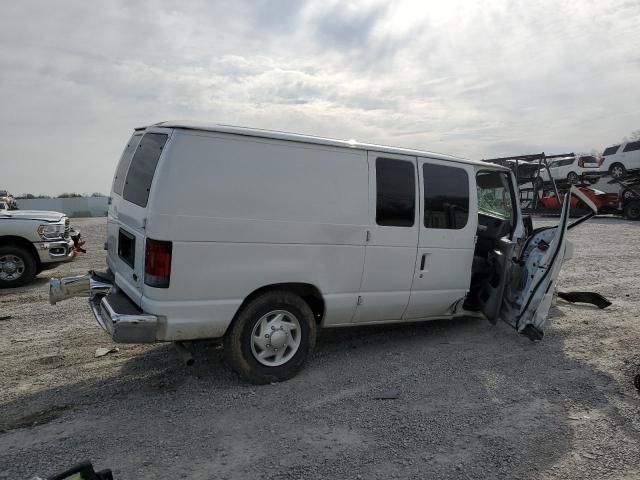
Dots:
(309, 293)
(8, 240)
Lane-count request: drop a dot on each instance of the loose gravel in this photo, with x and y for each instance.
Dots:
(470, 400)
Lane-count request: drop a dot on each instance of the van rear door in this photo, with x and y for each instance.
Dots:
(530, 287)
(116, 196)
(127, 235)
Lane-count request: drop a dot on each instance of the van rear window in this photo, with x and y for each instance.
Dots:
(125, 161)
(143, 167)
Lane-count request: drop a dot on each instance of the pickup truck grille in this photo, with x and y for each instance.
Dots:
(67, 228)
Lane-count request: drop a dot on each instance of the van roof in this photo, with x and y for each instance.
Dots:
(297, 137)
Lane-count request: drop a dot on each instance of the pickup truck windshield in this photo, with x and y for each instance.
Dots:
(143, 167)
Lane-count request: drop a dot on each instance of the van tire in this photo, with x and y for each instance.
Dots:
(238, 340)
(25, 262)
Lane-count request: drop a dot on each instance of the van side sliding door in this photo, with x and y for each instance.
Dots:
(448, 223)
(392, 238)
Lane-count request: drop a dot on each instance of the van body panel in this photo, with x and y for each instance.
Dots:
(293, 220)
(269, 180)
(442, 271)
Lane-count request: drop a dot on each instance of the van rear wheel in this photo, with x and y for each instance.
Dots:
(271, 338)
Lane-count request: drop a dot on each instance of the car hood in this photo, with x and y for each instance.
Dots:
(41, 215)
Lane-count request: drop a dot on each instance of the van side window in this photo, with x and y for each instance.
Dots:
(395, 193)
(446, 196)
(143, 166)
(632, 146)
(125, 161)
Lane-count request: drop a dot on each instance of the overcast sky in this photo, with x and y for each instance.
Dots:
(474, 79)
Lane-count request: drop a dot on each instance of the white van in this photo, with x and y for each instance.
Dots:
(263, 237)
(617, 160)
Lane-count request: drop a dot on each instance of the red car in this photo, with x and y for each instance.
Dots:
(604, 201)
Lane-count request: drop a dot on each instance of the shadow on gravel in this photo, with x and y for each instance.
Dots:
(473, 400)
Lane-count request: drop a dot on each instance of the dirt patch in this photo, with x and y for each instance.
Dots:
(33, 419)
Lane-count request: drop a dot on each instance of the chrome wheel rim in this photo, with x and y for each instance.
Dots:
(616, 172)
(11, 267)
(275, 338)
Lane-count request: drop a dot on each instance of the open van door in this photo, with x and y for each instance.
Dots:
(532, 279)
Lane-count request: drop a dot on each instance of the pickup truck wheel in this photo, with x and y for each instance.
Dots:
(271, 338)
(617, 170)
(17, 267)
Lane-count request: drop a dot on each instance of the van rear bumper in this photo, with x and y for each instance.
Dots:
(114, 311)
(122, 319)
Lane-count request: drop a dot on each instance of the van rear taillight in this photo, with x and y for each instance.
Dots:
(157, 263)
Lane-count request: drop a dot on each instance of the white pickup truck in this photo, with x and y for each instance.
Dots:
(32, 241)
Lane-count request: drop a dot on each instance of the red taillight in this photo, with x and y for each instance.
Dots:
(157, 263)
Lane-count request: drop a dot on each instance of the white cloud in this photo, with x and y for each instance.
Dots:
(470, 78)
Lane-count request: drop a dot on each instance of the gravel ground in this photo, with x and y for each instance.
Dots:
(475, 400)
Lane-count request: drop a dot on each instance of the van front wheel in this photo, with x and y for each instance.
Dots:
(271, 338)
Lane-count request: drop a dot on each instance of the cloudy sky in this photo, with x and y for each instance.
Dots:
(470, 78)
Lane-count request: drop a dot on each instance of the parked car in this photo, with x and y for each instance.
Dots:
(617, 160)
(3, 206)
(275, 235)
(32, 241)
(572, 169)
(605, 202)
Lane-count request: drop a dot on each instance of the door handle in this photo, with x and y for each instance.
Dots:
(422, 262)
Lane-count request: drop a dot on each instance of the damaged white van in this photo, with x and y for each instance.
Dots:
(261, 238)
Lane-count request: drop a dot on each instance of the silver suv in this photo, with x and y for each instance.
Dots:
(32, 241)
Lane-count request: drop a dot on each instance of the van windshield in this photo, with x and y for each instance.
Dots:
(494, 194)
(143, 166)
